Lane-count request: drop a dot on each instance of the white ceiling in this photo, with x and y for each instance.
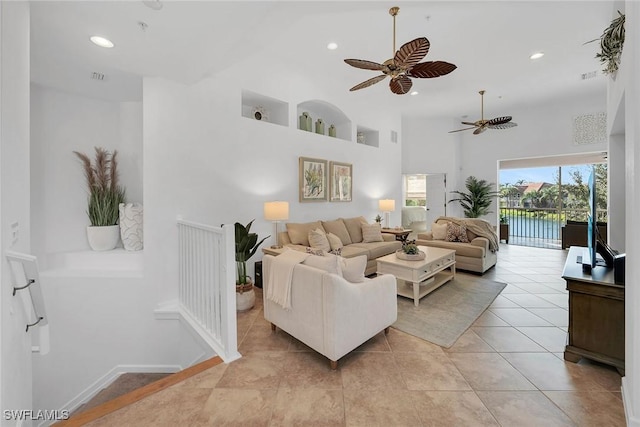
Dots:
(489, 41)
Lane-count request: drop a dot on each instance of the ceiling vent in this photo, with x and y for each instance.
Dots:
(97, 76)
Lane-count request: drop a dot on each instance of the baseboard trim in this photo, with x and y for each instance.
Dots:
(139, 394)
(632, 419)
(108, 378)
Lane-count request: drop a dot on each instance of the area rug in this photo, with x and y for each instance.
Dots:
(446, 313)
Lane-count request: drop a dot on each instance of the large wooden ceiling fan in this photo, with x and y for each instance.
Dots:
(403, 65)
(482, 124)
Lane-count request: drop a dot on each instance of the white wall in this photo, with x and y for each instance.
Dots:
(15, 344)
(429, 148)
(62, 123)
(102, 324)
(542, 131)
(206, 162)
(631, 87)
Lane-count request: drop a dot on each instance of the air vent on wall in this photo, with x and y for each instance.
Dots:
(97, 76)
(589, 75)
(590, 129)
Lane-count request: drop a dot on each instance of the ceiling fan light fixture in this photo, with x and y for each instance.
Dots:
(332, 46)
(481, 125)
(403, 65)
(101, 41)
(536, 55)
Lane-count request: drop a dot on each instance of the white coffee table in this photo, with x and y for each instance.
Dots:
(415, 279)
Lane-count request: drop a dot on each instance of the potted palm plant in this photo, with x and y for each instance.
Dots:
(476, 201)
(246, 246)
(105, 196)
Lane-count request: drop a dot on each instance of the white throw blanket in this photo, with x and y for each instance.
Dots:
(280, 275)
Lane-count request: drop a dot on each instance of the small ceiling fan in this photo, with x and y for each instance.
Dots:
(403, 65)
(482, 124)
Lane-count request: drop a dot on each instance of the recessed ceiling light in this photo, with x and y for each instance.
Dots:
(414, 93)
(537, 55)
(101, 41)
(153, 4)
(332, 46)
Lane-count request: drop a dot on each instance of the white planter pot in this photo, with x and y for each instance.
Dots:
(103, 238)
(131, 226)
(245, 300)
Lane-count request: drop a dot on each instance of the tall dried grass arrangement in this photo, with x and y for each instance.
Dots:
(105, 192)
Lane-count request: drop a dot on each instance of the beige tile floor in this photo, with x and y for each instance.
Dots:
(506, 370)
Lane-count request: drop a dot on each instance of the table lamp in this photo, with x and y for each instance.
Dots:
(387, 206)
(276, 212)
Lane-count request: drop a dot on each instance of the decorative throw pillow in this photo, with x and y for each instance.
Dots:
(337, 228)
(353, 268)
(354, 227)
(329, 263)
(312, 251)
(337, 252)
(318, 240)
(371, 233)
(439, 231)
(334, 242)
(299, 232)
(457, 233)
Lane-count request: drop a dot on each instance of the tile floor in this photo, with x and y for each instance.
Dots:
(506, 370)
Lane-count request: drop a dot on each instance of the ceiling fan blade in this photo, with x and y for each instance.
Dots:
(460, 130)
(500, 120)
(400, 85)
(412, 52)
(430, 69)
(469, 123)
(479, 130)
(365, 65)
(369, 82)
(503, 125)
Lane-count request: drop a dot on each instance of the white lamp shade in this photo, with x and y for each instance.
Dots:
(276, 211)
(387, 205)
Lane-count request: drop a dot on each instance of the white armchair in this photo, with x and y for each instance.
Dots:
(329, 314)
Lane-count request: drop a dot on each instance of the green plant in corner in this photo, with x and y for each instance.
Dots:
(246, 246)
(476, 201)
(105, 192)
(378, 219)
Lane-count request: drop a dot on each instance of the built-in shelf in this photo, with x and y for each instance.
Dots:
(264, 108)
(367, 136)
(330, 115)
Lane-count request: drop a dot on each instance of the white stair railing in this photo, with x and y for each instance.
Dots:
(206, 295)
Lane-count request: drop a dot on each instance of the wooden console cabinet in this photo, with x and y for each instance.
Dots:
(596, 314)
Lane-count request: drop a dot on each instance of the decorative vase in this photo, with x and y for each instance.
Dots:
(305, 122)
(332, 131)
(245, 296)
(360, 138)
(410, 257)
(320, 126)
(103, 238)
(131, 229)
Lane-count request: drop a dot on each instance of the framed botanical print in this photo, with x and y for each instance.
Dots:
(312, 180)
(340, 176)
